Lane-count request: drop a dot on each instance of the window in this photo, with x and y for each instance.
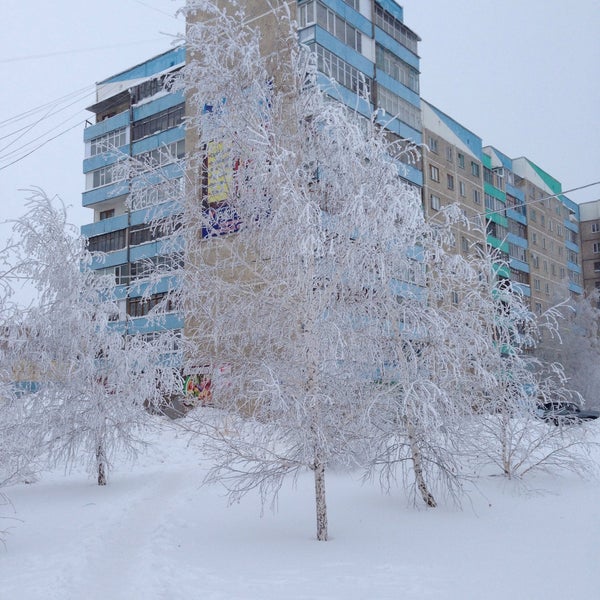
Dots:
(105, 176)
(537, 285)
(562, 272)
(533, 215)
(449, 153)
(547, 289)
(398, 107)
(455, 298)
(156, 194)
(477, 196)
(139, 307)
(461, 160)
(462, 189)
(108, 242)
(488, 176)
(345, 74)
(464, 244)
(355, 4)
(166, 119)
(434, 173)
(536, 261)
(334, 24)
(597, 266)
(108, 141)
(450, 181)
(596, 248)
(435, 202)
(534, 238)
(107, 214)
(161, 156)
(538, 308)
(395, 67)
(474, 169)
(433, 145)
(396, 29)
(595, 227)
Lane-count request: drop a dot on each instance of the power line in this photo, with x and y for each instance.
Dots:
(74, 51)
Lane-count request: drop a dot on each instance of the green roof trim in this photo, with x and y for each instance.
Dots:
(486, 160)
(494, 191)
(552, 183)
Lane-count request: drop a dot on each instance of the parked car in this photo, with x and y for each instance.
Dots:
(565, 413)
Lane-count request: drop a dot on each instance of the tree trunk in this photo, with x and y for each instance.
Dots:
(320, 500)
(101, 462)
(417, 461)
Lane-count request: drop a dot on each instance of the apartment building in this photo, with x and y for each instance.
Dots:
(590, 244)
(132, 175)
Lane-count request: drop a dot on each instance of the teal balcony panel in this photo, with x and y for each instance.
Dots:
(104, 226)
(511, 213)
(110, 259)
(155, 106)
(99, 129)
(573, 267)
(398, 88)
(511, 238)
(114, 190)
(574, 287)
(571, 226)
(158, 139)
(347, 54)
(104, 159)
(522, 288)
(519, 265)
(572, 246)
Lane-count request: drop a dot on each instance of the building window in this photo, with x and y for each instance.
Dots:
(597, 266)
(538, 308)
(435, 202)
(477, 196)
(536, 261)
(105, 176)
(461, 160)
(450, 181)
(464, 244)
(449, 153)
(166, 119)
(455, 298)
(140, 307)
(398, 107)
(395, 67)
(562, 272)
(109, 141)
(474, 169)
(434, 173)
(334, 24)
(488, 176)
(107, 214)
(547, 289)
(595, 227)
(108, 242)
(433, 145)
(537, 285)
(462, 188)
(534, 238)
(396, 29)
(348, 76)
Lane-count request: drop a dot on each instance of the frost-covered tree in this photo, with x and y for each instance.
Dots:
(94, 384)
(308, 258)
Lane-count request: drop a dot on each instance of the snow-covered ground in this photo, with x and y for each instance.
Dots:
(155, 533)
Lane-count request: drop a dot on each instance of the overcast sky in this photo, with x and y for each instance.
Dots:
(522, 74)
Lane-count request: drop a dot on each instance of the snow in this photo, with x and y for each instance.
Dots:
(155, 533)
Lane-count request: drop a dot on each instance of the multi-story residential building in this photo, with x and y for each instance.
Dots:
(590, 244)
(530, 224)
(452, 175)
(368, 58)
(131, 172)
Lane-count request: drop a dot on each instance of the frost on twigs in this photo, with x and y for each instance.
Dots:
(91, 383)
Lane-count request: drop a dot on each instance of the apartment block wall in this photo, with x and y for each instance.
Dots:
(590, 244)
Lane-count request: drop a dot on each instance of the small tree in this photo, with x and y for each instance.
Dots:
(95, 383)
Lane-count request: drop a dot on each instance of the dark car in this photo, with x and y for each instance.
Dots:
(565, 413)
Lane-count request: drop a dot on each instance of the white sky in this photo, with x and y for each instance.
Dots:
(523, 75)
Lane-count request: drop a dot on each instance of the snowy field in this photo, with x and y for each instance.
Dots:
(153, 533)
